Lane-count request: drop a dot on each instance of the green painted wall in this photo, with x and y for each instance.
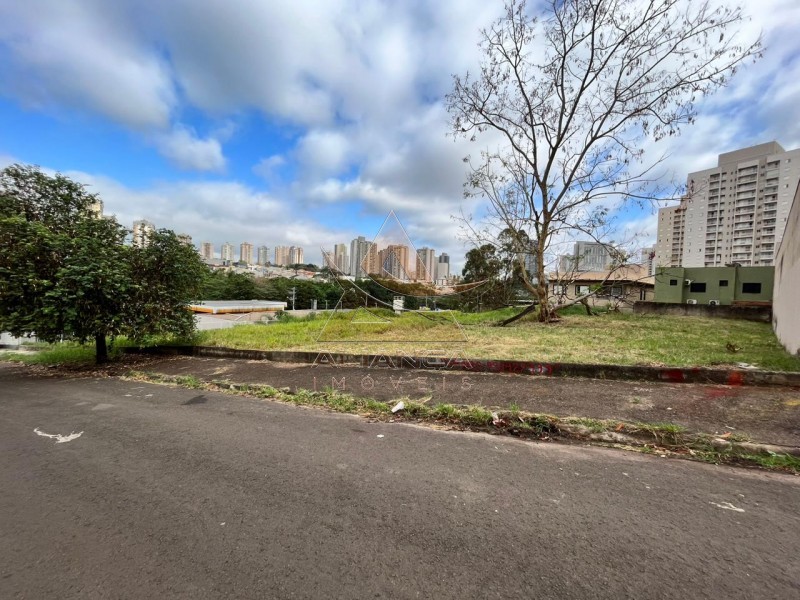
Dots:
(713, 278)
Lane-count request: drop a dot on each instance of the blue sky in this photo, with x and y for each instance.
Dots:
(295, 122)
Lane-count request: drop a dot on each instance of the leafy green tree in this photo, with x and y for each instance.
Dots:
(65, 273)
(485, 264)
(167, 275)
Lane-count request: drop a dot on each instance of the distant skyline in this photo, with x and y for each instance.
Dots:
(302, 123)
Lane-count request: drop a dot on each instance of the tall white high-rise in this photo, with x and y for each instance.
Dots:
(141, 233)
(263, 255)
(734, 213)
(296, 255)
(426, 265)
(226, 252)
(359, 248)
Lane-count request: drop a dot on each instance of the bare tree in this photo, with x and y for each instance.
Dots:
(573, 94)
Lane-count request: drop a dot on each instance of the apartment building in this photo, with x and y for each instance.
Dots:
(340, 259)
(207, 250)
(263, 255)
(426, 265)
(141, 232)
(734, 213)
(443, 268)
(359, 248)
(282, 256)
(585, 257)
(226, 252)
(296, 255)
(393, 262)
(96, 207)
(246, 253)
(647, 258)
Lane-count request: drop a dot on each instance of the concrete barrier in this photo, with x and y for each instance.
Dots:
(747, 313)
(479, 365)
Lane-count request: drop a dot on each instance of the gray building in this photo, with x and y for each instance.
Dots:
(647, 258)
(340, 259)
(443, 268)
(263, 255)
(226, 252)
(585, 257)
(734, 213)
(358, 252)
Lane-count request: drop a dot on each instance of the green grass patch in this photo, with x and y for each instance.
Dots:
(67, 353)
(189, 381)
(785, 462)
(74, 354)
(593, 425)
(609, 338)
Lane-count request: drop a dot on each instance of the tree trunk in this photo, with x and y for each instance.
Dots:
(101, 347)
(541, 282)
(545, 314)
(527, 310)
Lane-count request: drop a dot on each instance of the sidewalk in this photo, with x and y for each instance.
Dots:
(765, 414)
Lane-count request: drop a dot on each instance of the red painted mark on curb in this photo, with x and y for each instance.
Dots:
(735, 378)
(538, 369)
(672, 375)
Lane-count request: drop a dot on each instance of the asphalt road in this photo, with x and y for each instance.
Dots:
(173, 493)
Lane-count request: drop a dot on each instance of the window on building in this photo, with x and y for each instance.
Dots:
(673, 282)
(581, 289)
(751, 288)
(559, 290)
(723, 283)
(697, 287)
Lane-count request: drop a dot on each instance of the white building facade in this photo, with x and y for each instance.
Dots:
(734, 213)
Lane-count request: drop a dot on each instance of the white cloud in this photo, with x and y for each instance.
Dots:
(323, 152)
(84, 56)
(219, 212)
(358, 83)
(187, 151)
(266, 167)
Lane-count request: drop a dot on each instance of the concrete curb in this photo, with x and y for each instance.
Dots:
(478, 365)
(632, 435)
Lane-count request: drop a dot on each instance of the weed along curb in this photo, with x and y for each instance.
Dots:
(723, 376)
(661, 438)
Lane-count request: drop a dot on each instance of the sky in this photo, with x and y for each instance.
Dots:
(302, 122)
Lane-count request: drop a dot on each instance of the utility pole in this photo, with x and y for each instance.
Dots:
(293, 296)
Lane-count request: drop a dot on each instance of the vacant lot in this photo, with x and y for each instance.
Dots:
(611, 338)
